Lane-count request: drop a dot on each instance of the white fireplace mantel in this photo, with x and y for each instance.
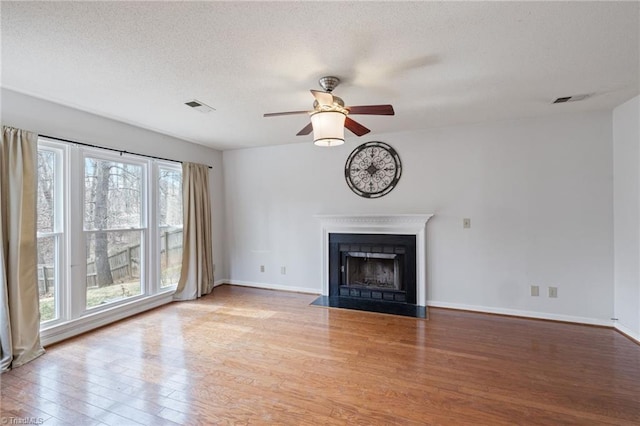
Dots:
(408, 224)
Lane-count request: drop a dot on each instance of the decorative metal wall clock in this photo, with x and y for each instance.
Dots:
(373, 169)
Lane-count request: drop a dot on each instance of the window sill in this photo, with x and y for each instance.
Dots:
(61, 331)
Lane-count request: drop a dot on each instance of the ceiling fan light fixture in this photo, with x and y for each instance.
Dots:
(329, 115)
(328, 128)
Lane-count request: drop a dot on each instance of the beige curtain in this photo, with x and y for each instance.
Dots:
(19, 303)
(196, 278)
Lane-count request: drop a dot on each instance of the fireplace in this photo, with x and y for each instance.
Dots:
(374, 263)
(380, 267)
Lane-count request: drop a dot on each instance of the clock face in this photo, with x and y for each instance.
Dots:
(373, 169)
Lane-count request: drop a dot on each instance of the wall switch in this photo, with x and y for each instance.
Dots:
(553, 291)
(535, 290)
(261, 268)
(283, 270)
(466, 223)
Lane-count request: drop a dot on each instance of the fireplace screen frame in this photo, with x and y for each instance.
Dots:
(401, 246)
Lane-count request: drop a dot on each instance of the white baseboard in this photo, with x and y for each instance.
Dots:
(268, 286)
(459, 306)
(628, 332)
(81, 325)
(520, 313)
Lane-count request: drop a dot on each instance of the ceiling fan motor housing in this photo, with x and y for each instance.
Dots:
(329, 83)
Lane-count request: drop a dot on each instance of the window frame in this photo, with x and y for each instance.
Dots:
(143, 225)
(71, 266)
(160, 165)
(60, 227)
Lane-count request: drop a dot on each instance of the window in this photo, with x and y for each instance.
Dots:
(170, 225)
(114, 230)
(50, 222)
(109, 230)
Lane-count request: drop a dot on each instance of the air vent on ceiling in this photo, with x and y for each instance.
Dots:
(570, 99)
(197, 105)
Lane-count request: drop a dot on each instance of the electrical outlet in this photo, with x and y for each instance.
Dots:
(535, 290)
(261, 268)
(283, 270)
(466, 223)
(553, 291)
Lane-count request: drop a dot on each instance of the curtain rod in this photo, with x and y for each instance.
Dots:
(112, 149)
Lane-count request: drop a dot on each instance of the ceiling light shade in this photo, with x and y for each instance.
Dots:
(328, 128)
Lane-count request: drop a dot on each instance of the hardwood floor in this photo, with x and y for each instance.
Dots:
(250, 356)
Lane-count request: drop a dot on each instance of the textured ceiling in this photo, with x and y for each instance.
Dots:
(438, 63)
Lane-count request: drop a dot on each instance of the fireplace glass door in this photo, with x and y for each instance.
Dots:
(377, 271)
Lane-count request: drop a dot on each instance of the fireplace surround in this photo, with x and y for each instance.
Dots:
(378, 267)
(374, 262)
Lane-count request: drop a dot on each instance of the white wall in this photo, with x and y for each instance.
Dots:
(538, 192)
(47, 118)
(626, 191)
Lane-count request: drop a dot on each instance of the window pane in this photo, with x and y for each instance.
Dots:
(47, 282)
(170, 255)
(170, 200)
(170, 219)
(46, 190)
(113, 194)
(113, 266)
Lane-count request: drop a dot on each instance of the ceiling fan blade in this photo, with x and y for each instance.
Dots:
(275, 114)
(372, 109)
(355, 127)
(306, 130)
(323, 98)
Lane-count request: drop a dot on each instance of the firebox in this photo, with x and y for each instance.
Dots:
(377, 267)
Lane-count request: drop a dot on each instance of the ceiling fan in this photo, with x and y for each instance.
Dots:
(330, 116)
